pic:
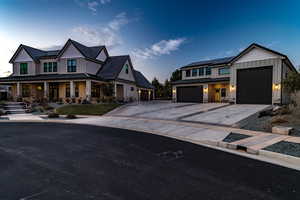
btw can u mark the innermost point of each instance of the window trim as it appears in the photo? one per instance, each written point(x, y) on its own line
point(194, 72)
point(201, 69)
point(207, 71)
point(73, 68)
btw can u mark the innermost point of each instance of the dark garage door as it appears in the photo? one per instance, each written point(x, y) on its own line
point(190, 94)
point(254, 85)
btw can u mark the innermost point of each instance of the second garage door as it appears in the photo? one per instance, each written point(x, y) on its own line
point(254, 85)
point(190, 94)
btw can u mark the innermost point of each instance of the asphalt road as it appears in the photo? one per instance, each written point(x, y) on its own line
point(61, 161)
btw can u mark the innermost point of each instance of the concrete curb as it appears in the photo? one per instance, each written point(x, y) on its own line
point(287, 158)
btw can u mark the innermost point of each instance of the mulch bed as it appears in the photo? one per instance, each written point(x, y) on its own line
point(232, 137)
point(288, 148)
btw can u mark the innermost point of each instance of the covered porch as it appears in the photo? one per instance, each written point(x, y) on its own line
point(63, 91)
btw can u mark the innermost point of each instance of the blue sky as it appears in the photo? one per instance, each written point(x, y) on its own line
point(160, 35)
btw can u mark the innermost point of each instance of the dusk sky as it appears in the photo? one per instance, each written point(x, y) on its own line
point(160, 35)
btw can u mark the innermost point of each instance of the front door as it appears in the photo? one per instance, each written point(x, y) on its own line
point(53, 91)
point(217, 95)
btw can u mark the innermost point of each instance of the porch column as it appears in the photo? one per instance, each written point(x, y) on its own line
point(46, 90)
point(19, 89)
point(88, 89)
point(115, 90)
point(72, 89)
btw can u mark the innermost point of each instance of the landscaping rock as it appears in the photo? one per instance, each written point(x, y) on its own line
point(282, 130)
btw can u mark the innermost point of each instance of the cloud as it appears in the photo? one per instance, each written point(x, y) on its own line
point(103, 35)
point(163, 47)
point(92, 4)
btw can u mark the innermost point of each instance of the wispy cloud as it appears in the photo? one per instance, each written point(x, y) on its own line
point(107, 34)
point(92, 4)
point(162, 47)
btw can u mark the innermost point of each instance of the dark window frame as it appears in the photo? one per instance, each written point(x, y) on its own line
point(207, 71)
point(194, 72)
point(188, 73)
point(223, 92)
point(68, 91)
point(201, 71)
point(224, 68)
point(71, 65)
point(23, 68)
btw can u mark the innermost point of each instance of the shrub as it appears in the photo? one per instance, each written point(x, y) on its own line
point(47, 107)
point(70, 116)
point(68, 101)
point(53, 115)
point(73, 100)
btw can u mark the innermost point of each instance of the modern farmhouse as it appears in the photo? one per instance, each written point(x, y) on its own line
point(75, 72)
point(254, 76)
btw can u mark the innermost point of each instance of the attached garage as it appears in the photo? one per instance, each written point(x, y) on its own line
point(254, 85)
point(190, 94)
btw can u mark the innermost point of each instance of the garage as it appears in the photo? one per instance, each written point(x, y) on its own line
point(190, 94)
point(254, 85)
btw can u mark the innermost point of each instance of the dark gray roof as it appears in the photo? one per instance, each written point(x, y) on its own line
point(34, 53)
point(88, 52)
point(217, 61)
point(142, 81)
point(42, 77)
point(201, 80)
point(112, 67)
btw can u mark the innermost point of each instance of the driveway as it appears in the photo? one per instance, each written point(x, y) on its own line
point(69, 161)
point(210, 113)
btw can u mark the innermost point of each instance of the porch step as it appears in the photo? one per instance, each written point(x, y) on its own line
point(15, 111)
point(14, 108)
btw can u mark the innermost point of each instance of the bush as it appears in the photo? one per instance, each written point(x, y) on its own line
point(47, 107)
point(70, 116)
point(53, 115)
point(68, 101)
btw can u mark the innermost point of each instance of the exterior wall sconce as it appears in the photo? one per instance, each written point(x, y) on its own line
point(276, 86)
point(174, 91)
point(140, 91)
point(39, 88)
point(232, 88)
point(205, 90)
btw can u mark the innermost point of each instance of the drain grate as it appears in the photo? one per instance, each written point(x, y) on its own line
point(171, 155)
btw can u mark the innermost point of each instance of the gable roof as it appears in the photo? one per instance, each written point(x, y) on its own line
point(90, 53)
point(142, 81)
point(230, 60)
point(112, 67)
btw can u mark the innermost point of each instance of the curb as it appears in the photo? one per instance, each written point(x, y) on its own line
point(287, 158)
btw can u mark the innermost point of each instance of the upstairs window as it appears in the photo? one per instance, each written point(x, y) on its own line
point(50, 67)
point(71, 65)
point(224, 71)
point(194, 72)
point(188, 73)
point(126, 69)
point(201, 71)
point(23, 68)
point(207, 71)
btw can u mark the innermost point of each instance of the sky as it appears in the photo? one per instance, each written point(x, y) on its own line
point(159, 35)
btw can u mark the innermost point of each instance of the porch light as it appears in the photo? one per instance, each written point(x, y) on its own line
point(39, 87)
point(140, 91)
point(205, 90)
point(276, 86)
point(232, 88)
point(174, 91)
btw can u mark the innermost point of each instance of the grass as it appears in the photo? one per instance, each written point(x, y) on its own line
point(86, 109)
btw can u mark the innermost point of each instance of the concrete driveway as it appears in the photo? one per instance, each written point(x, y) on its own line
point(210, 113)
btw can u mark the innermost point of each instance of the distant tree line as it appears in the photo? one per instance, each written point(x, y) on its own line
point(164, 90)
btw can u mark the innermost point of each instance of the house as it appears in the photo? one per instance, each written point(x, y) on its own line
point(254, 76)
point(75, 72)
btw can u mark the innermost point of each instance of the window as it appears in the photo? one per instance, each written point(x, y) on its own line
point(223, 71)
point(188, 73)
point(68, 90)
point(71, 65)
point(76, 91)
point(132, 88)
point(95, 91)
point(208, 71)
point(223, 92)
point(25, 91)
point(23, 68)
point(50, 67)
point(126, 69)
point(194, 72)
point(201, 71)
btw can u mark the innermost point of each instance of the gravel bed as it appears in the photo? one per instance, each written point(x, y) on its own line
point(288, 148)
point(232, 137)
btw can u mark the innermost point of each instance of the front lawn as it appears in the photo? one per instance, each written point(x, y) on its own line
point(86, 109)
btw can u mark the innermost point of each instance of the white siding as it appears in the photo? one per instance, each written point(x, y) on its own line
point(23, 57)
point(125, 76)
point(102, 56)
point(257, 54)
point(71, 52)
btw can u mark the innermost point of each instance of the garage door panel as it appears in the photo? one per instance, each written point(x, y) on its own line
point(254, 85)
point(190, 94)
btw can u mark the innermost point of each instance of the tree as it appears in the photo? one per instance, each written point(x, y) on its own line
point(292, 82)
point(158, 88)
point(176, 75)
point(167, 89)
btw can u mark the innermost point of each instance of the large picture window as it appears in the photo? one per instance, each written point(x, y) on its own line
point(23, 68)
point(95, 91)
point(71, 65)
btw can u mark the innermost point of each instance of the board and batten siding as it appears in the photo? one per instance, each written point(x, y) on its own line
point(277, 66)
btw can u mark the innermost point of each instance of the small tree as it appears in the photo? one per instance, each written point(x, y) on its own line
point(292, 82)
point(158, 88)
point(167, 89)
point(176, 75)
